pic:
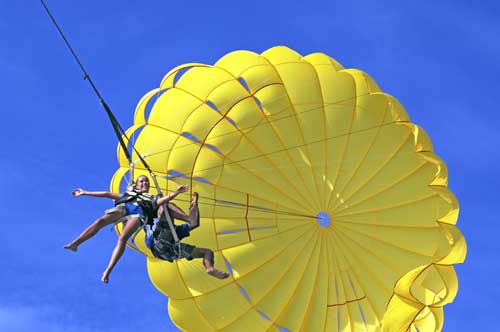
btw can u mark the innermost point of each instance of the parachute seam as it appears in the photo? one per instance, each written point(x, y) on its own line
point(266, 119)
point(341, 164)
point(300, 129)
point(202, 144)
point(421, 198)
point(353, 256)
point(273, 286)
point(317, 247)
point(268, 122)
point(418, 275)
point(363, 159)
point(346, 230)
point(246, 273)
point(308, 307)
point(232, 162)
point(387, 187)
point(320, 89)
point(280, 252)
point(381, 167)
point(337, 275)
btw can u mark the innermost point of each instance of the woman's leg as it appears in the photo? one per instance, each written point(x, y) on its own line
point(128, 229)
point(92, 230)
point(208, 262)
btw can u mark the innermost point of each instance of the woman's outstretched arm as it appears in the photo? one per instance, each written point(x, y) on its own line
point(80, 192)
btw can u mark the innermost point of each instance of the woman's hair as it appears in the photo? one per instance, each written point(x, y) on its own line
point(141, 176)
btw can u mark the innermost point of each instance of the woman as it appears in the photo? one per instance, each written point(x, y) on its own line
point(137, 208)
point(128, 210)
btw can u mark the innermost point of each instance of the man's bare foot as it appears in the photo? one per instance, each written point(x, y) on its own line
point(194, 200)
point(72, 247)
point(217, 273)
point(105, 278)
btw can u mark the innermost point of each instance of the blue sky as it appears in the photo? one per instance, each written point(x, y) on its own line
point(439, 58)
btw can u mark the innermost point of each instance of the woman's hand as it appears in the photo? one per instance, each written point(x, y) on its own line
point(182, 189)
point(78, 192)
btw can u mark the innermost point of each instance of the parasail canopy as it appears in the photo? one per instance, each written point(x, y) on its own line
point(318, 195)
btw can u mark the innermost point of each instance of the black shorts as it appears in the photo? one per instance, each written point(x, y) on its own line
point(163, 246)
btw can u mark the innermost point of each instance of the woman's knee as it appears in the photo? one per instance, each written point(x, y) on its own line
point(121, 241)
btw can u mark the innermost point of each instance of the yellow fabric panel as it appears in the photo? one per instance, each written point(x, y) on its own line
point(201, 81)
point(122, 159)
point(197, 321)
point(400, 314)
point(320, 59)
point(429, 288)
point(286, 276)
point(364, 83)
point(281, 54)
point(205, 236)
point(247, 257)
point(272, 142)
point(274, 102)
point(249, 321)
point(449, 205)
point(183, 105)
point(139, 117)
point(220, 315)
point(114, 186)
point(315, 314)
point(227, 95)
point(175, 73)
point(458, 249)
point(194, 276)
point(260, 77)
point(429, 320)
point(293, 313)
point(165, 276)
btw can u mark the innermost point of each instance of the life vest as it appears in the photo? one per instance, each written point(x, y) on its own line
point(146, 202)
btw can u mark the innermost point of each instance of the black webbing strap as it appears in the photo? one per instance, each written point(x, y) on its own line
point(117, 128)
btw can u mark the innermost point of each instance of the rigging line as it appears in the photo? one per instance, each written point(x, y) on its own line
point(298, 146)
point(120, 133)
point(240, 206)
point(114, 123)
point(86, 77)
point(258, 125)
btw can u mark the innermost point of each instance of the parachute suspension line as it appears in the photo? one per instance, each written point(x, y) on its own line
point(120, 133)
point(116, 126)
point(285, 117)
point(239, 206)
point(300, 145)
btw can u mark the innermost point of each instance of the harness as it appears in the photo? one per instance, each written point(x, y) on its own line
point(144, 200)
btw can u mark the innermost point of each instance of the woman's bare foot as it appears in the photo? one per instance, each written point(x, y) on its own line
point(105, 278)
point(71, 246)
point(217, 273)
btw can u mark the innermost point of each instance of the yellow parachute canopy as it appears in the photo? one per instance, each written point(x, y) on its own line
point(324, 202)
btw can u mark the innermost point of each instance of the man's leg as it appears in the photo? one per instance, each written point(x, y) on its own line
point(208, 262)
point(193, 219)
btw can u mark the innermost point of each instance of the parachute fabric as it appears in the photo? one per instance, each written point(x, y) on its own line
point(324, 202)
